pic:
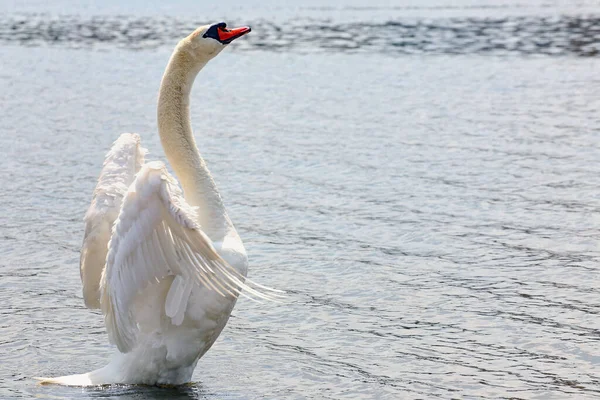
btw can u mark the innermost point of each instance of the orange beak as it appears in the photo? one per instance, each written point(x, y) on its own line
point(229, 35)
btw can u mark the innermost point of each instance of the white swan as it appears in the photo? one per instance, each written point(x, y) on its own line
point(165, 270)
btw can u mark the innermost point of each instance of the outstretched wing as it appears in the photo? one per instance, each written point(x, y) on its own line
point(122, 162)
point(155, 236)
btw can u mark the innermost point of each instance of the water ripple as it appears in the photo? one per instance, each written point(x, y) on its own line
point(433, 219)
point(556, 35)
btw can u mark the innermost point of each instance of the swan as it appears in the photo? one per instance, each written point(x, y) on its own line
point(164, 268)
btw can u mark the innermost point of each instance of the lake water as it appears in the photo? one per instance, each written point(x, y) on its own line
point(421, 177)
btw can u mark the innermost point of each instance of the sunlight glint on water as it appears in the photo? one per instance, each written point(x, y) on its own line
point(434, 217)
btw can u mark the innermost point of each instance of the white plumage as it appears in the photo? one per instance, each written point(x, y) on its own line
point(165, 271)
point(122, 163)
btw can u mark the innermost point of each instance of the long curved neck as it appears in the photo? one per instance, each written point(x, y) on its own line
point(180, 148)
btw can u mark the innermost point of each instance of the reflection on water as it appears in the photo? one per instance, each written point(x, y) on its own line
point(193, 391)
point(128, 392)
point(556, 35)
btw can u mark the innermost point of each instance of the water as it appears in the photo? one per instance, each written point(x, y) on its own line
point(548, 35)
point(434, 216)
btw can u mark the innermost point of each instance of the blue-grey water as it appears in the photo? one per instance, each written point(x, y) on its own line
point(422, 177)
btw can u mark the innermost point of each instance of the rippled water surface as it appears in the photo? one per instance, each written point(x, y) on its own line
point(433, 213)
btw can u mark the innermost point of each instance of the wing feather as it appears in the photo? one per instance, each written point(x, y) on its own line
point(156, 236)
point(122, 162)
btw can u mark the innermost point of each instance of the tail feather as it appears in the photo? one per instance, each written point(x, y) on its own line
point(69, 380)
point(97, 377)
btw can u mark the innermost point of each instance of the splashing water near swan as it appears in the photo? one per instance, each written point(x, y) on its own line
point(166, 269)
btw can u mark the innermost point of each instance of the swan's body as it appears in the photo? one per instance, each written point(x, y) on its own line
point(165, 269)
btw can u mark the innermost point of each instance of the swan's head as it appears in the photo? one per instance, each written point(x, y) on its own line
point(209, 40)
